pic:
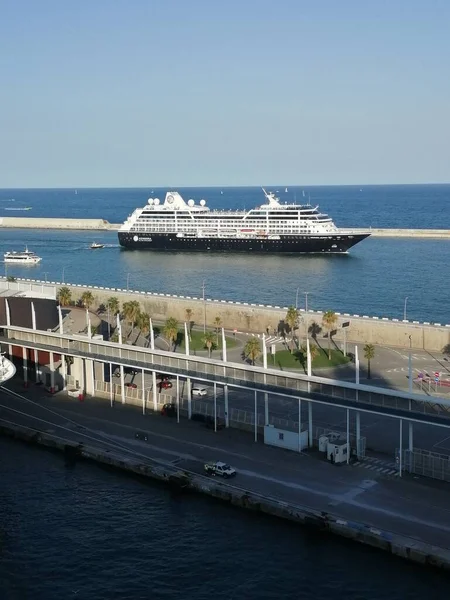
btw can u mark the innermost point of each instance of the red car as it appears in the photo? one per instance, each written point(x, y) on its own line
point(165, 384)
point(131, 385)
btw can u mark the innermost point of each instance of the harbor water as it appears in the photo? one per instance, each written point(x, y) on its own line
point(374, 279)
point(86, 533)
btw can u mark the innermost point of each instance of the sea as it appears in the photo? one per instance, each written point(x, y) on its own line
point(85, 533)
point(378, 277)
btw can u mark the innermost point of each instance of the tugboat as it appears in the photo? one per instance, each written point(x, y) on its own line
point(95, 246)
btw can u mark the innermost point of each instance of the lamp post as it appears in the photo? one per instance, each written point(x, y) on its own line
point(296, 298)
point(63, 272)
point(45, 274)
point(204, 306)
point(306, 313)
point(404, 309)
point(128, 280)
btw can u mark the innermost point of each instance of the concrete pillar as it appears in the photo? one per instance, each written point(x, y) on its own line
point(310, 425)
point(227, 415)
point(410, 437)
point(256, 416)
point(348, 435)
point(60, 320)
point(400, 449)
point(25, 367)
point(63, 371)
point(178, 398)
point(215, 406)
point(299, 425)
point(358, 434)
point(189, 397)
point(111, 386)
point(155, 392)
point(308, 363)
point(143, 392)
point(8, 322)
point(52, 372)
point(82, 377)
point(356, 370)
point(266, 408)
point(122, 383)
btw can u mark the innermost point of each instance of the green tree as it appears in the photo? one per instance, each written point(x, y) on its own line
point(115, 337)
point(369, 354)
point(143, 323)
point(252, 349)
point(113, 305)
point(189, 313)
point(11, 278)
point(291, 319)
point(209, 339)
point(64, 296)
point(217, 325)
point(87, 299)
point(170, 330)
point(131, 311)
point(313, 350)
point(329, 321)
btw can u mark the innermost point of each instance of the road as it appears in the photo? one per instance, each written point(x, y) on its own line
point(416, 508)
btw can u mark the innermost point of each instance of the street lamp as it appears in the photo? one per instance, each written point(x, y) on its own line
point(404, 309)
point(45, 274)
point(296, 298)
point(63, 271)
point(204, 306)
point(128, 280)
point(306, 312)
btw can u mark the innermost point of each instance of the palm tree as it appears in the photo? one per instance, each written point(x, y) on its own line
point(113, 305)
point(329, 321)
point(217, 324)
point(87, 299)
point(313, 350)
point(208, 340)
point(291, 319)
point(369, 353)
point(188, 317)
point(131, 311)
point(143, 322)
point(252, 349)
point(64, 296)
point(171, 330)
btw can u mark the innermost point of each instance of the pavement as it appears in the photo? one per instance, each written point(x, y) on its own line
point(417, 508)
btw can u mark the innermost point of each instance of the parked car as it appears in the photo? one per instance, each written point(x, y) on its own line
point(131, 385)
point(219, 468)
point(165, 384)
point(198, 391)
point(169, 410)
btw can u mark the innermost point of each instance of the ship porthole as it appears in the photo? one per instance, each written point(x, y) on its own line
point(135, 238)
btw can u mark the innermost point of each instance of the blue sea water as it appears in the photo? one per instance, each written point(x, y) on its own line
point(373, 279)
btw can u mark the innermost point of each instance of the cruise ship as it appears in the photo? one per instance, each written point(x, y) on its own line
point(272, 227)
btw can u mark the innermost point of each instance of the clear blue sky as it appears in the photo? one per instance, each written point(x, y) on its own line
point(212, 92)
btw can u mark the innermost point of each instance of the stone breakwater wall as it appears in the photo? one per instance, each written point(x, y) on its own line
point(43, 223)
point(410, 233)
point(257, 318)
point(397, 545)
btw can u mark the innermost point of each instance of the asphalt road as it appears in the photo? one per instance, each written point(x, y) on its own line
point(416, 508)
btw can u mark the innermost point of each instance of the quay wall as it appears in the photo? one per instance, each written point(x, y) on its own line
point(44, 223)
point(397, 545)
point(257, 318)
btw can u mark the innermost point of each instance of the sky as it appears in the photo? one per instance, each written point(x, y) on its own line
point(131, 93)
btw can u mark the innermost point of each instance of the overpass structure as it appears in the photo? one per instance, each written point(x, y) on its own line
point(404, 407)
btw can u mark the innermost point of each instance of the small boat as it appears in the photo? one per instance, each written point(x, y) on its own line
point(24, 208)
point(95, 246)
point(26, 257)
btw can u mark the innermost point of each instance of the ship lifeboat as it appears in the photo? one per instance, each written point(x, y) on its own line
point(247, 231)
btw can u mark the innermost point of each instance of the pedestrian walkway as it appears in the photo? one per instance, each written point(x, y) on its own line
point(379, 465)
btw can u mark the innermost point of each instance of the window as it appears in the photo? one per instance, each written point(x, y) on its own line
point(281, 436)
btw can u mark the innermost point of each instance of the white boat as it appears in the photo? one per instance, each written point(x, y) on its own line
point(95, 246)
point(26, 257)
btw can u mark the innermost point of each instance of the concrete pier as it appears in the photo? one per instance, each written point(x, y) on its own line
point(44, 223)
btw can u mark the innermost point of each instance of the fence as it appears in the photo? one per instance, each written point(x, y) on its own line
point(426, 463)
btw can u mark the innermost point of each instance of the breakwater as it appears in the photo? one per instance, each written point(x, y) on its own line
point(70, 224)
point(186, 481)
point(104, 225)
point(256, 318)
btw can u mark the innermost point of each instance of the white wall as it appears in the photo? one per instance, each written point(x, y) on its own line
point(285, 439)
